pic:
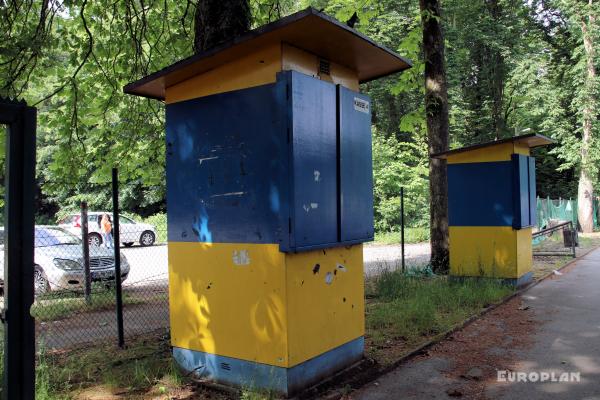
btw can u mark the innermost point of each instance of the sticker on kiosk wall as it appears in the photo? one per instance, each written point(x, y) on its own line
point(361, 105)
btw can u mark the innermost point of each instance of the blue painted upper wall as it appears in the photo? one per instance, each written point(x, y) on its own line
point(496, 193)
point(227, 167)
point(261, 165)
point(480, 194)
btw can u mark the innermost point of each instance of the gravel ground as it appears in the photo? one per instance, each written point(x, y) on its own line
point(378, 257)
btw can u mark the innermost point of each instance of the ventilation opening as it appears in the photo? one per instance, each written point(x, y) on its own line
point(324, 67)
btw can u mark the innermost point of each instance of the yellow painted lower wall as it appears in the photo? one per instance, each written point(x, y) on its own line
point(229, 299)
point(325, 303)
point(499, 252)
point(252, 302)
point(524, 251)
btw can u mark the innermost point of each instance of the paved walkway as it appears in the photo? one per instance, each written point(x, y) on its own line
point(553, 328)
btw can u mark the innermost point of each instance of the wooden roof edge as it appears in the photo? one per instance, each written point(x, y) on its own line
point(529, 139)
point(131, 87)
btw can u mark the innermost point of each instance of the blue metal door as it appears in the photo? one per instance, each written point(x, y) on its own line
point(314, 162)
point(356, 167)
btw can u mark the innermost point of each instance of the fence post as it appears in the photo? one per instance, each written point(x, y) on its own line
point(86, 253)
point(573, 240)
point(402, 224)
point(19, 325)
point(117, 248)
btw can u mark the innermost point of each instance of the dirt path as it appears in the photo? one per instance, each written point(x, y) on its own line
point(553, 328)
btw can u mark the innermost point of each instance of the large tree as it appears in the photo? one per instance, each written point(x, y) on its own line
point(587, 21)
point(216, 21)
point(436, 111)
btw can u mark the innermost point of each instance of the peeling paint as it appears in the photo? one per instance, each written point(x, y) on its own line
point(316, 269)
point(341, 268)
point(241, 257)
point(329, 278)
point(311, 206)
point(317, 175)
point(201, 160)
point(229, 194)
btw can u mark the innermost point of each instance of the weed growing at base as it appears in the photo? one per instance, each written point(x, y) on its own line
point(409, 307)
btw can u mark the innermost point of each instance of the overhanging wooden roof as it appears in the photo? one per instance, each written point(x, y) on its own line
point(531, 140)
point(309, 30)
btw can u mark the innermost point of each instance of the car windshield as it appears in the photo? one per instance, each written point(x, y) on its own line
point(45, 237)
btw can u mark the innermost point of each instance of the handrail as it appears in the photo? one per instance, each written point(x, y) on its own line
point(552, 230)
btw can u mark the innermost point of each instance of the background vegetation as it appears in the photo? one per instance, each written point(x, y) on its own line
point(513, 67)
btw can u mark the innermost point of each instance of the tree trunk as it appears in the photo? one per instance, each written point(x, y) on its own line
point(497, 73)
point(436, 109)
point(585, 193)
point(217, 21)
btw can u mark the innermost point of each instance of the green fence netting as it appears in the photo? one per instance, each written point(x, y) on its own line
point(561, 209)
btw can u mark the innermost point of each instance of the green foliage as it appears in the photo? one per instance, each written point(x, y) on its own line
point(400, 164)
point(511, 66)
point(159, 221)
point(411, 235)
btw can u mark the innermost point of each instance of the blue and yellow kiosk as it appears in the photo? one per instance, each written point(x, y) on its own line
point(269, 198)
point(492, 208)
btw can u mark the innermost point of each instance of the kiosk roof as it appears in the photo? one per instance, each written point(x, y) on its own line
point(531, 140)
point(309, 30)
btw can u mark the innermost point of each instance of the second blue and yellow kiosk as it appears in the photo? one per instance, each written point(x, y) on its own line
point(269, 198)
point(492, 208)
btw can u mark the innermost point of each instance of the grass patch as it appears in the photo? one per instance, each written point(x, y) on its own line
point(144, 369)
point(58, 305)
point(407, 310)
point(411, 235)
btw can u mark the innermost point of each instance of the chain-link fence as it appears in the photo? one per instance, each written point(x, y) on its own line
point(75, 285)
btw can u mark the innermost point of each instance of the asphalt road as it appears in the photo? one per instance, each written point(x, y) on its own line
point(149, 265)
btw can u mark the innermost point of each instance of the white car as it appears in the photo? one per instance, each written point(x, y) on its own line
point(58, 258)
point(130, 231)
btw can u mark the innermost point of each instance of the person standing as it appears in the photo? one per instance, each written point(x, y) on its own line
point(106, 229)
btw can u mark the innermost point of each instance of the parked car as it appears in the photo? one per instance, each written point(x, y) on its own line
point(130, 231)
point(58, 258)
